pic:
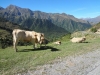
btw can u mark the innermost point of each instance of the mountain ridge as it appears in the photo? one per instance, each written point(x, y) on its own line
point(18, 15)
point(93, 21)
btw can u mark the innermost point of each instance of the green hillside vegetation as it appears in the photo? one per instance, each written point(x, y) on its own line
point(95, 27)
point(90, 33)
point(50, 30)
point(70, 25)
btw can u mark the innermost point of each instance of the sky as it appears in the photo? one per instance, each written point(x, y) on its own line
point(77, 8)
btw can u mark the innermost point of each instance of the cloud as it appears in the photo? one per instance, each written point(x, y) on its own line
point(79, 9)
point(93, 13)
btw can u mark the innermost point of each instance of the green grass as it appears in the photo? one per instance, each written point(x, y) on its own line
point(12, 62)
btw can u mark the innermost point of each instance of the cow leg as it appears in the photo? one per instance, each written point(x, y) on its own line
point(40, 45)
point(34, 46)
point(15, 44)
point(33, 43)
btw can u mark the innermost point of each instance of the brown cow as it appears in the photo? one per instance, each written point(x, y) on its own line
point(27, 36)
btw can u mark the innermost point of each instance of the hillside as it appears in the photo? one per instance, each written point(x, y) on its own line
point(68, 22)
point(6, 28)
point(50, 30)
point(97, 26)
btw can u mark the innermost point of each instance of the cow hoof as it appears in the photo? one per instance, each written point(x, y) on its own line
point(16, 50)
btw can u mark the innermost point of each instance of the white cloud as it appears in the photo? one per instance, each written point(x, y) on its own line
point(79, 9)
point(93, 13)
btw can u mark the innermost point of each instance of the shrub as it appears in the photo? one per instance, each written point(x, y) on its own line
point(93, 29)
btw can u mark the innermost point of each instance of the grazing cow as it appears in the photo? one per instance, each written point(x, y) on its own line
point(26, 36)
point(57, 42)
point(44, 41)
point(78, 39)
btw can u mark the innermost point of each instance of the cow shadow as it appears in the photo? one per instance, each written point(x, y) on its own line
point(85, 42)
point(39, 49)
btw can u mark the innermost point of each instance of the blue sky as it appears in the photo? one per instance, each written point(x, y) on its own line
point(77, 8)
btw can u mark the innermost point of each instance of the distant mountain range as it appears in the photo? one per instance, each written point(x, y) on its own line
point(93, 21)
point(20, 15)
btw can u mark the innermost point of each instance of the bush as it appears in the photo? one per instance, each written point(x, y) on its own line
point(4, 43)
point(93, 30)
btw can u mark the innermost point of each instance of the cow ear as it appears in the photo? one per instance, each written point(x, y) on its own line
point(42, 34)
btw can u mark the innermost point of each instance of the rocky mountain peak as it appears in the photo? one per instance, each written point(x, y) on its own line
point(12, 7)
point(1, 8)
point(15, 10)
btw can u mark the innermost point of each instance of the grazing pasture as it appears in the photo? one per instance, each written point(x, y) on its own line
point(26, 58)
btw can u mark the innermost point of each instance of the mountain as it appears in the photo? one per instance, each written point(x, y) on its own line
point(1, 8)
point(68, 22)
point(93, 21)
point(16, 14)
point(50, 30)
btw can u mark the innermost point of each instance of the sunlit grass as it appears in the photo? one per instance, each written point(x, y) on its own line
point(26, 58)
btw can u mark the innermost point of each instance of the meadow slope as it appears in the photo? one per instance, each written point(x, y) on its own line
point(28, 60)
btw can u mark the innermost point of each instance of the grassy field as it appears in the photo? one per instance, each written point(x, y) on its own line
point(26, 58)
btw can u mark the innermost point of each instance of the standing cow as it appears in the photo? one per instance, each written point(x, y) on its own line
point(27, 36)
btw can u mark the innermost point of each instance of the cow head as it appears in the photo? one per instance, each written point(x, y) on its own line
point(39, 37)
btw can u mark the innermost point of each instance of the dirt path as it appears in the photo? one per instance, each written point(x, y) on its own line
point(86, 64)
